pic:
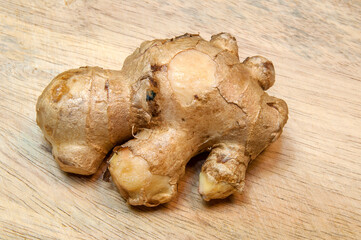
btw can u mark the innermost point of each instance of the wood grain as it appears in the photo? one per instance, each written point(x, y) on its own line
point(307, 185)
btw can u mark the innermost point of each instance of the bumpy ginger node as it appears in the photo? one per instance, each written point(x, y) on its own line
point(173, 99)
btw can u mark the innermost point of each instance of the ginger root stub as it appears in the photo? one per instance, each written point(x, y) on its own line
point(173, 99)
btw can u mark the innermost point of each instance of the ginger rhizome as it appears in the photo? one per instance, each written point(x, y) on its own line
point(173, 99)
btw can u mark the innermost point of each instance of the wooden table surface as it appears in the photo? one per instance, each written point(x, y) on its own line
point(307, 185)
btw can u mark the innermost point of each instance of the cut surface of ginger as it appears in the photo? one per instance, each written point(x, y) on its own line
point(191, 74)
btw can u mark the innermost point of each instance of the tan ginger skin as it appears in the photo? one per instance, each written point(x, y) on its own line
point(178, 97)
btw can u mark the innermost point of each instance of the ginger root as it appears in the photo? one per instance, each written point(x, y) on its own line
point(178, 97)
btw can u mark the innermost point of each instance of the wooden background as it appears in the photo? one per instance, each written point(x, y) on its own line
point(307, 185)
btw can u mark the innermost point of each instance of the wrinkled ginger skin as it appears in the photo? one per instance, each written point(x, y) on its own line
point(178, 97)
point(83, 113)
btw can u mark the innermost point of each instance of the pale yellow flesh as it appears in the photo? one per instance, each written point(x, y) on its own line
point(131, 173)
point(132, 176)
point(209, 188)
point(191, 74)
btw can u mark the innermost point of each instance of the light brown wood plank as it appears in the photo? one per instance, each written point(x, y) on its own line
point(307, 185)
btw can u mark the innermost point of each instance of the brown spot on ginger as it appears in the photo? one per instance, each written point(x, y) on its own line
point(59, 91)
